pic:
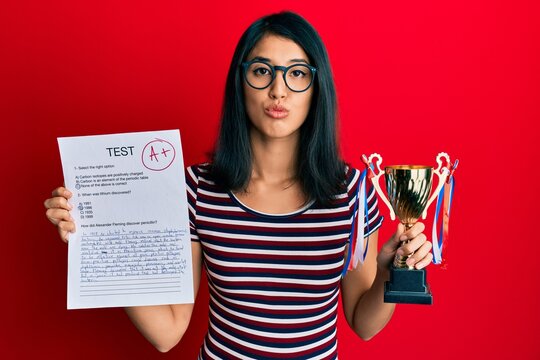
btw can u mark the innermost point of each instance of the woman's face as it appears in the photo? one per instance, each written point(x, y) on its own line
point(276, 111)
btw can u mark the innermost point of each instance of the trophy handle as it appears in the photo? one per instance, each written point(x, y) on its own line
point(442, 172)
point(375, 179)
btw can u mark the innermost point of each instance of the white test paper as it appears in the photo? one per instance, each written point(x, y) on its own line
point(132, 244)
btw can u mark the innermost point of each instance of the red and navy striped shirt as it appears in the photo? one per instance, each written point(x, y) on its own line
point(273, 279)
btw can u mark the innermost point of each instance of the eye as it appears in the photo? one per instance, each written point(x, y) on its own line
point(261, 71)
point(298, 73)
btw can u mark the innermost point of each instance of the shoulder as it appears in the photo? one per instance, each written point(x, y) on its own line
point(199, 176)
point(197, 171)
point(346, 194)
point(352, 176)
point(353, 180)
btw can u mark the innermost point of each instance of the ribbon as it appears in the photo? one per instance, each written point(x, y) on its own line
point(444, 203)
point(356, 251)
point(366, 218)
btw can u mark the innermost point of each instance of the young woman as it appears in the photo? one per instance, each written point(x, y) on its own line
point(271, 215)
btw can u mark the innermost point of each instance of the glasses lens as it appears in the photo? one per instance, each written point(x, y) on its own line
point(259, 75)
point(299, 77)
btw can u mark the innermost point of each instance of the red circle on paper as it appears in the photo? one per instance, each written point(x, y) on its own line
point(153, 158)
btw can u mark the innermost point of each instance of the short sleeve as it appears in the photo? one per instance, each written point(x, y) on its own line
point(374, 219)
point(192, 183)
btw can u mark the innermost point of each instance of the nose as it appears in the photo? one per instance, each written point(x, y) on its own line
point(278, 88)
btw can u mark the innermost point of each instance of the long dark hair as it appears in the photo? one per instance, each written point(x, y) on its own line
point(321, 171)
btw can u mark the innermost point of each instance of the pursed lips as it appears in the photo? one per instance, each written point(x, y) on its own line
point(276, 112)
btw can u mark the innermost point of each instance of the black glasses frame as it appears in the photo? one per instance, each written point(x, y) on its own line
point(284, 69)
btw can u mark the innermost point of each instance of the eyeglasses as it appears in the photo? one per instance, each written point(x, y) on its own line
point(259, 75)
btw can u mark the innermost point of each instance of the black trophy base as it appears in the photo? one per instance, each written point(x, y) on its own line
point(407, 287)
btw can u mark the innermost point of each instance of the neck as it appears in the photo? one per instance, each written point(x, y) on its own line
point(274, 160)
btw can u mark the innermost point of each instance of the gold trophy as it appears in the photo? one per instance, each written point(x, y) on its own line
point(408, 188)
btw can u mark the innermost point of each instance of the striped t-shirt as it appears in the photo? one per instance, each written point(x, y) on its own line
point(273, 279)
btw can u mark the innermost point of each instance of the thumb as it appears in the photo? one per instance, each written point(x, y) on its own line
point(389, 248)
point(394, 242)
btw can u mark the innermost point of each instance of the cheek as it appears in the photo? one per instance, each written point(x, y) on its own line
point(305, 103)
point(251, 101)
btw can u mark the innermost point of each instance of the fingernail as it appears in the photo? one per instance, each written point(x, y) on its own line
point(69, 206)
point(403, 237)
point(68, 193)
point(410, 261)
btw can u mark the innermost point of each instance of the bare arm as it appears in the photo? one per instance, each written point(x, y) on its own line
point(164, 325)
point(363, 288)
point(362, 294)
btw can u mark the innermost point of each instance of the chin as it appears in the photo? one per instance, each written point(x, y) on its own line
point(281, 134)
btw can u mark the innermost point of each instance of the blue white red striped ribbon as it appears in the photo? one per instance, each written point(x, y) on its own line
point(440, 234)
point(356, 251)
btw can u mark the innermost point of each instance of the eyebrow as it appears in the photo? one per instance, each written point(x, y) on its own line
point(260, 58)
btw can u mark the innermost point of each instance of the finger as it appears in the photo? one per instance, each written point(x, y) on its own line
point(412, 246)
point(64, 235)
point(68, 226)
point(57, 215)
point(424, 262)
point(65, 228)
point(413, 232)
point(62, 191)
point(420, 254)
point(57, 202)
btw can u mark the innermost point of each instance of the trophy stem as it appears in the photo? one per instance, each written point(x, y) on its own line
point(400, 262)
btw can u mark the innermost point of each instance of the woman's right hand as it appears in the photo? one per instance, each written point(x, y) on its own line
point(58, 212)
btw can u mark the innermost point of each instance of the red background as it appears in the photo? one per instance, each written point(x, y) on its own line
point(413, 78)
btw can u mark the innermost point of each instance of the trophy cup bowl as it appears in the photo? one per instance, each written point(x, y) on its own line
point(409, 197)
point(408, 188)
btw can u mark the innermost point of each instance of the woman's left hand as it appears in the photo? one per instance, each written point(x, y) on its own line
point(418, 244)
